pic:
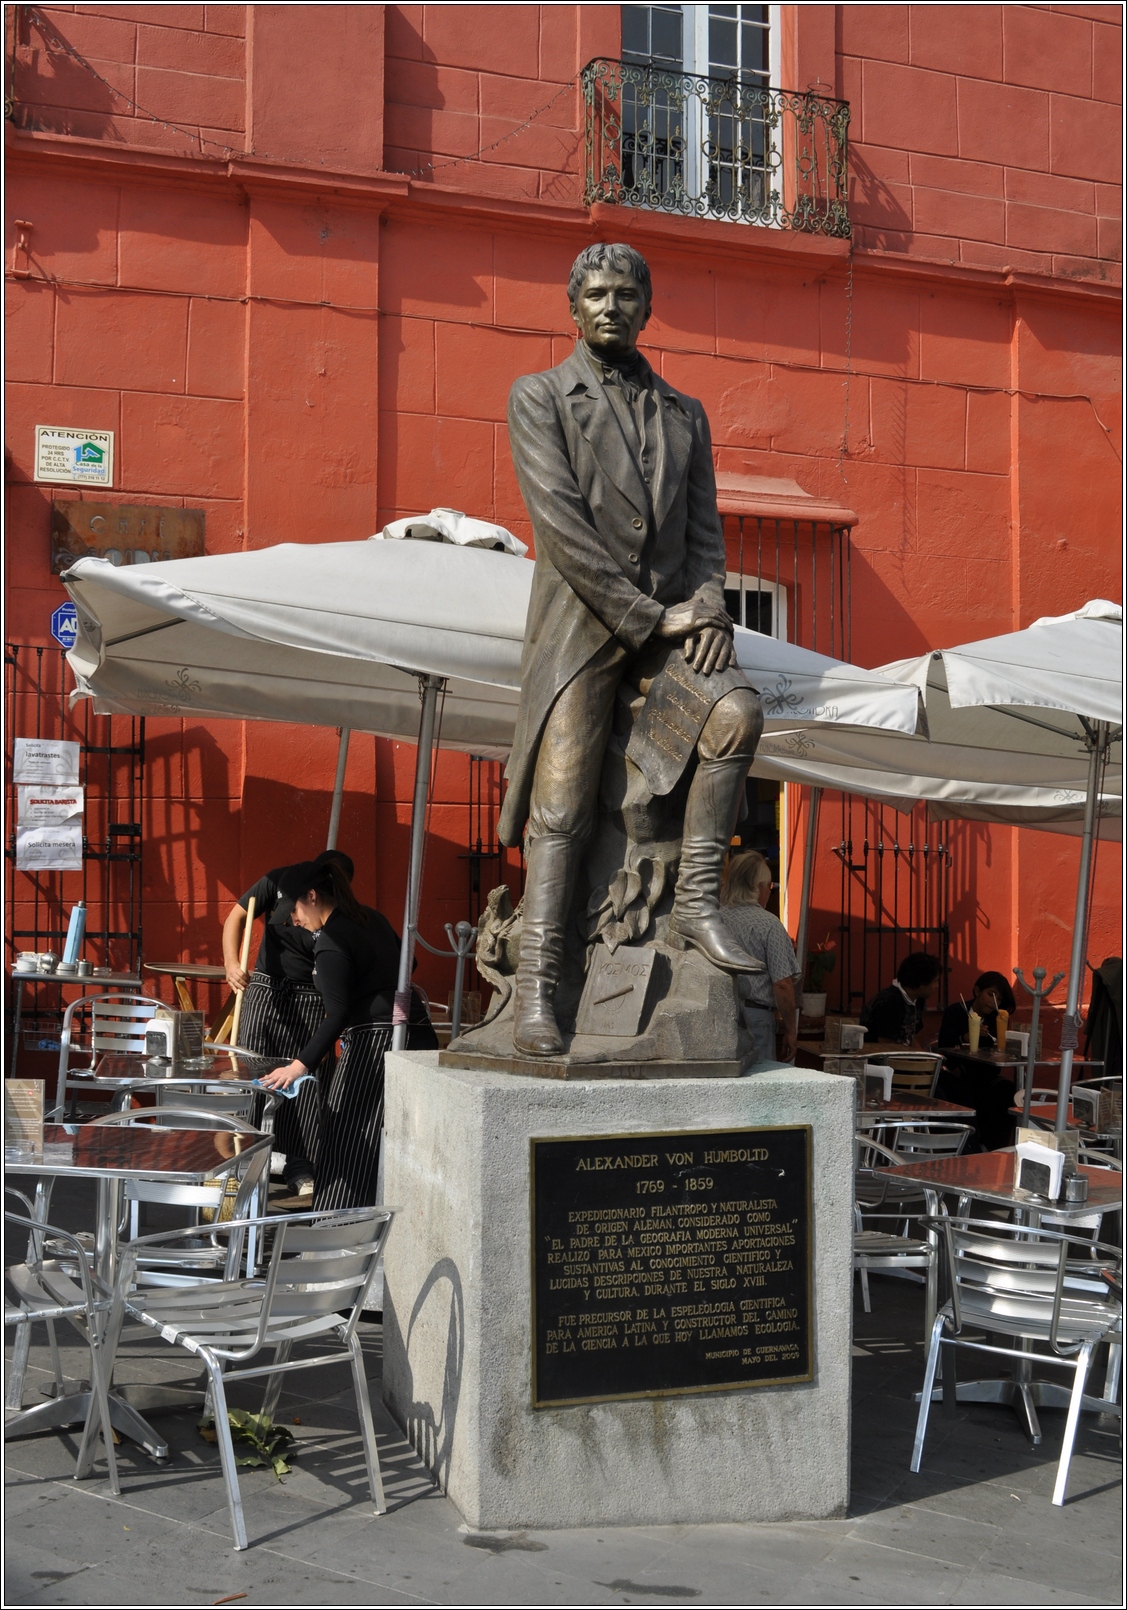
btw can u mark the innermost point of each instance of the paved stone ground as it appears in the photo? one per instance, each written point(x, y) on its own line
point(975, 1528)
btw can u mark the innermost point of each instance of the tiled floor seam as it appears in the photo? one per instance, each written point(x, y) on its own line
point(911, 1554)
point(259, 1550)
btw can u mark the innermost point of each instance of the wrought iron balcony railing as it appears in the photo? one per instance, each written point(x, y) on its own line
point(715, 148)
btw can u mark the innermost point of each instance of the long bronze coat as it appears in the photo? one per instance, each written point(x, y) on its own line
point(610, 554)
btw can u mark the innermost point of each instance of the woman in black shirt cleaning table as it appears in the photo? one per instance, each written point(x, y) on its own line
point(281, 1008)
point(356, 966)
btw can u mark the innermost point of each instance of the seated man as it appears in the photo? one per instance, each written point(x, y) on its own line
point(897, 1013)
point(747, 889)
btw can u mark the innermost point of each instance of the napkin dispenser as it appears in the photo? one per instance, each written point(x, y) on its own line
point(160, 1039)
point(1040, 1169)
point(184, 1031)
point(878, 1077)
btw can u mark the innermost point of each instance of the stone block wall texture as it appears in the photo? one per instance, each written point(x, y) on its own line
point(457, 1311)
point(267, 264)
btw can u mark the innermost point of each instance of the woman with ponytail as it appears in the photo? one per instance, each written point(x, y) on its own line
point(281, 1007)
point(355, 969)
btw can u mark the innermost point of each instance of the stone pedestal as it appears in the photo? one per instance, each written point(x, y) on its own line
point(458, 1342)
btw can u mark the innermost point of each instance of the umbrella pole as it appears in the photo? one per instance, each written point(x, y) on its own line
point(807, 879)
point(430, 686)
point(1070, 1036)
point(338, 788)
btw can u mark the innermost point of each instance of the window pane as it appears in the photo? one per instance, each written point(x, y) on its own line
point(666, 34)
point(721, 42)
point(755, 58)
point(636, 31)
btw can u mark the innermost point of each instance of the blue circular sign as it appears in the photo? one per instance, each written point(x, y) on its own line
point(64, 625)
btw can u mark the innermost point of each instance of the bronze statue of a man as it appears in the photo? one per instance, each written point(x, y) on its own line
point(615, 468)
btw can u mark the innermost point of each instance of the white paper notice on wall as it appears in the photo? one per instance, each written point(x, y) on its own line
point(50, 807)
point(45, 760)
point(49, 849)
point(73, 457)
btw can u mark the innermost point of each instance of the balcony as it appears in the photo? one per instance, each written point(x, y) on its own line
point(715, 148)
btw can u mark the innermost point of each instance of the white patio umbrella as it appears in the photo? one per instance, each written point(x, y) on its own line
point(1025, 728)
point(344, 634)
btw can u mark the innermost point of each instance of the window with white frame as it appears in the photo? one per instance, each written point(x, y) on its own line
point(759, 605)
point(698, 136)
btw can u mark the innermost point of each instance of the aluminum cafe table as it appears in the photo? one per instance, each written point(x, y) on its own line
point(989, 1177)
point(200, 973)
point(111, 1155)
point(86, 982)
point(1000, 1061)
point(876, 1113)
point(127, 1074)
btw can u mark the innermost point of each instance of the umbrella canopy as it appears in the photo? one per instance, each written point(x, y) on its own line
point(1009, 721)
point(335, 634)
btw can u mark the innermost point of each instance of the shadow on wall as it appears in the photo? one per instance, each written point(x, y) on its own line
point(54, 92)
point(874, 208)
point(203, 845)
point(438, 1308)
point(881, 626)
point(550, 151)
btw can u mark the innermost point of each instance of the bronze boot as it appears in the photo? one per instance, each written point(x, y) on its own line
point(547, 895)
point(710, 815)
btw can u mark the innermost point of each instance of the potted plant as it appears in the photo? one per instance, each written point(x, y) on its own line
point(820, 961)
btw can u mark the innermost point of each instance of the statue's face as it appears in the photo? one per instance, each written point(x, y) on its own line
point(610, 312)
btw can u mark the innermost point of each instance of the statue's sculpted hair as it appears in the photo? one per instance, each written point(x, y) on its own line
point(623, 259)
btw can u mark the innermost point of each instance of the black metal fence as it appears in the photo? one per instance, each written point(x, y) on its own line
point(895, 896)
point(715, 148)
point(111, 770)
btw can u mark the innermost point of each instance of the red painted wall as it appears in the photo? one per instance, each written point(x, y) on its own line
point(283, 328)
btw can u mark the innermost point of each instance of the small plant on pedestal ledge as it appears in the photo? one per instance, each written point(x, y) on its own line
point(820, 962)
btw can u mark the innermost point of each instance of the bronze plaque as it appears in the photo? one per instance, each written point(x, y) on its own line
point(670, 1263)
point(123, 533)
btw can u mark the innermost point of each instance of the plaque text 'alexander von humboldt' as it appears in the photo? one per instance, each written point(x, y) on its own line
point(670, 1263)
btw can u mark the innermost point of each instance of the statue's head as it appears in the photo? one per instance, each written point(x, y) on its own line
point(610, 294)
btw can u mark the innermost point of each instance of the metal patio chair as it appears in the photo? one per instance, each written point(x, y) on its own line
point(116, 1022)
point(44, 1289)
point(1010, 1281)
point(236, 1194)
point(929, 1138)
point(880, 1238)
point(914, 1073)
point(321, 1264)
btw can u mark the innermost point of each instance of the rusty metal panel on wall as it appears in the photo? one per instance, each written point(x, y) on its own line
point(123, 533)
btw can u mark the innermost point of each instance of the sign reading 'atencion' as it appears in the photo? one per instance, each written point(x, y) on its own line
point(671, 1263)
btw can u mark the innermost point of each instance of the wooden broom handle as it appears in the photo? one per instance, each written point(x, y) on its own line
point(244, 957)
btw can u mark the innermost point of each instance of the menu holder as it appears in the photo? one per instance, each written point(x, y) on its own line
point(1067, 1145)
point(23, 1117)
point(834, 1026)
point(852, 1067)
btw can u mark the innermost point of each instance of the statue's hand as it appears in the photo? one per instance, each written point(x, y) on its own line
point(690, 619)
point(710, 650)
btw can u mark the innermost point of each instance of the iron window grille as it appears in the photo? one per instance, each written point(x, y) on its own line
point(709, 147)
